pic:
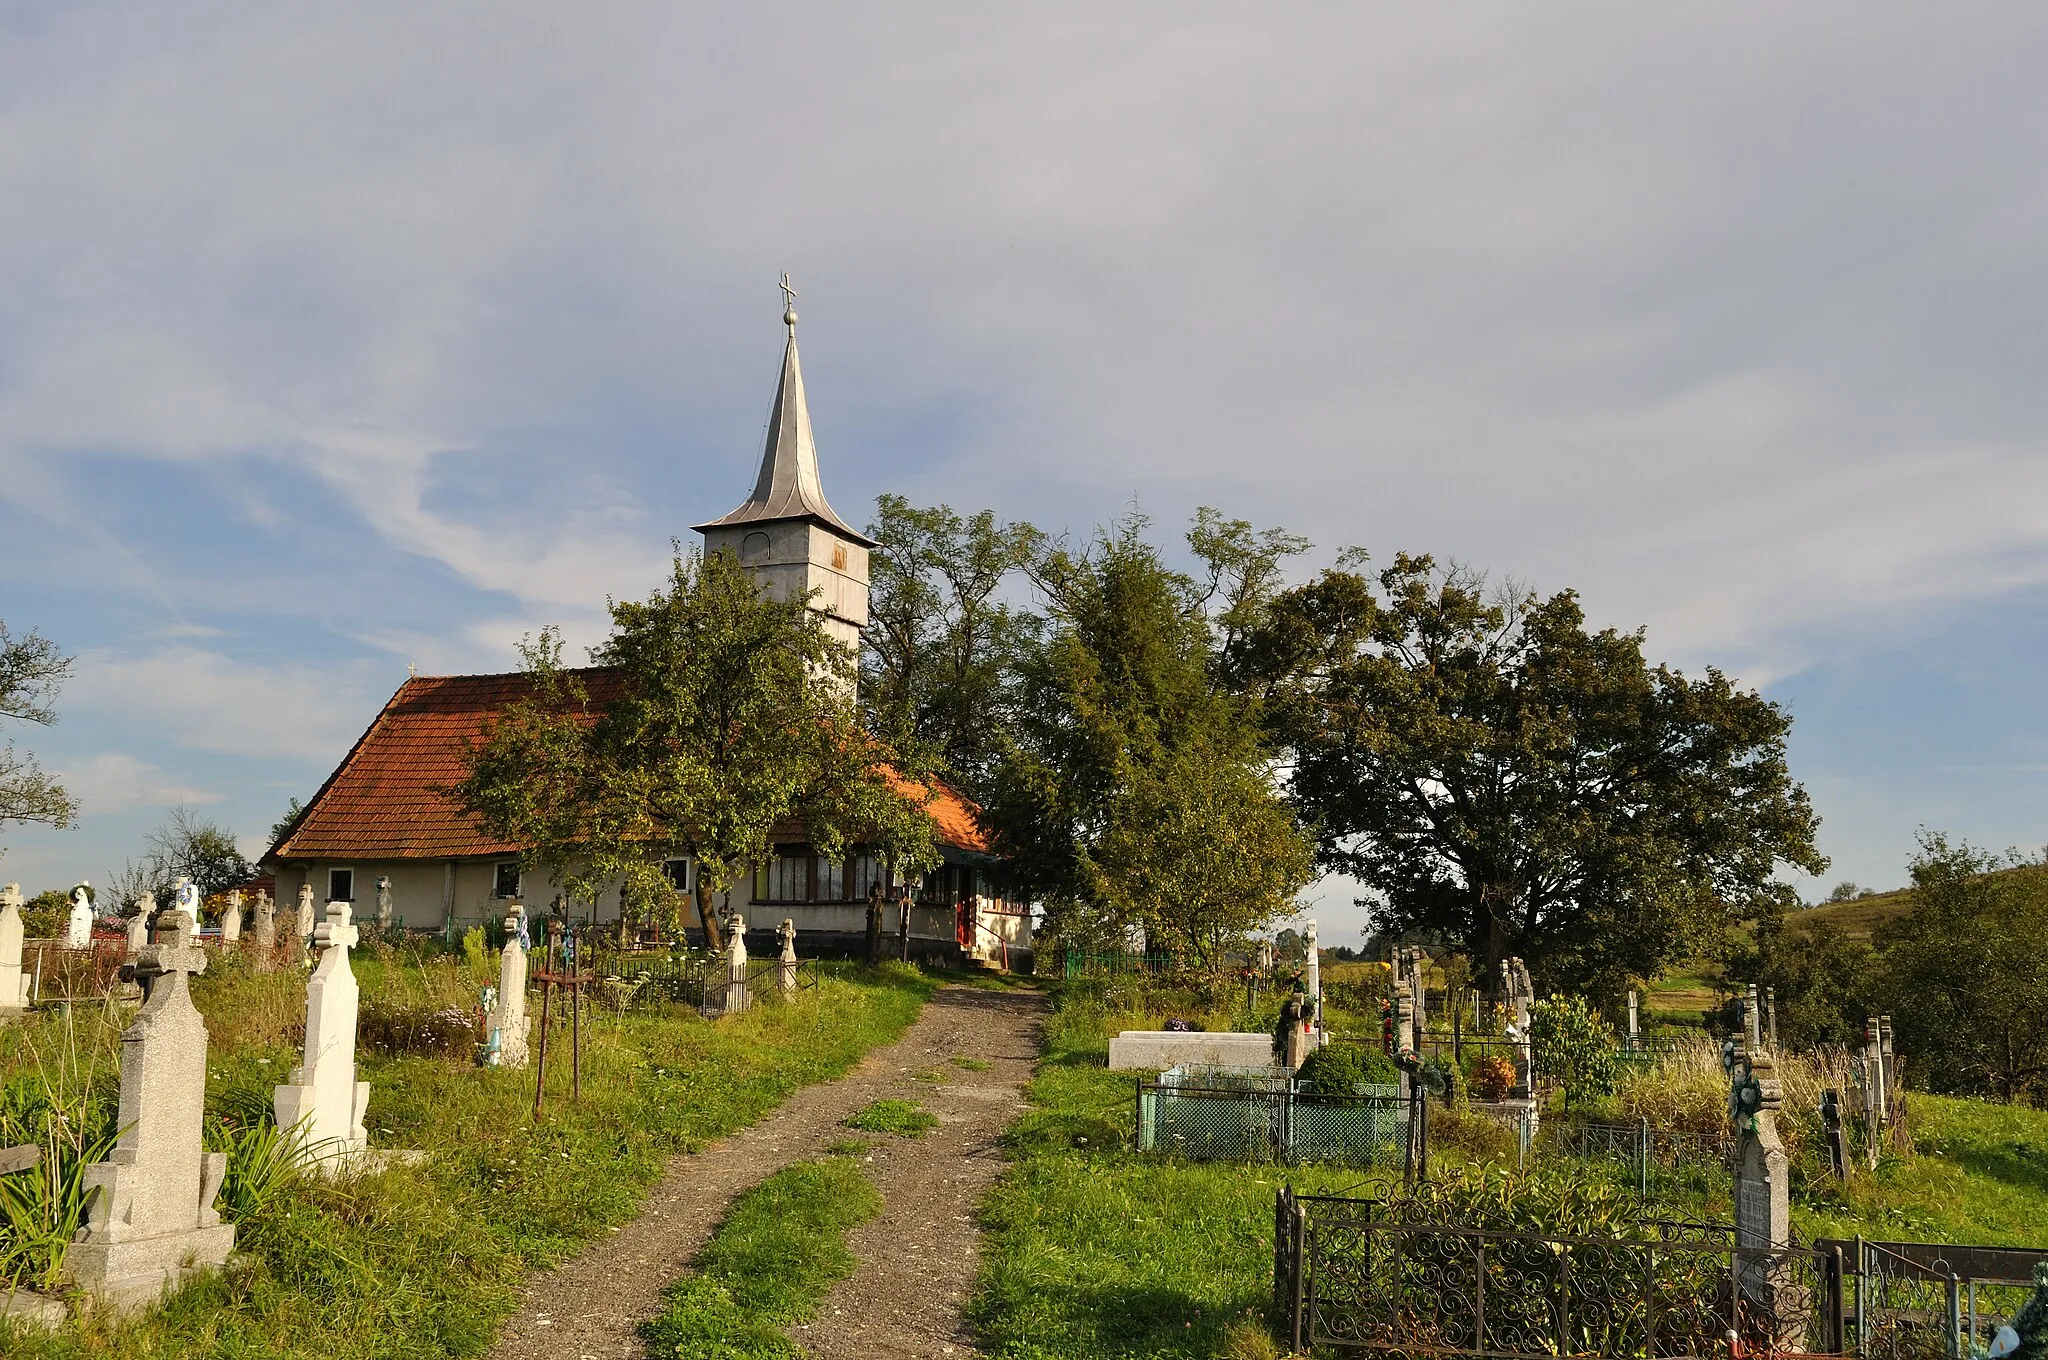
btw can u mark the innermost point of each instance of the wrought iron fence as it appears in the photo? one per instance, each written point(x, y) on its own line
point(631, 979)
point(1911, 1300)
point(1250, 1120)
point(1350, 1277)
point(1653, 1156)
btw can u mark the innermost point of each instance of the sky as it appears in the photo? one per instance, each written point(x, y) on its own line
point(340, 340)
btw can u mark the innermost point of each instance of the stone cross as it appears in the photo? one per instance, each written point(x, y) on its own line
point(152, 1216)
point(508, 1012)
point(736, 998)
point(78, 930)
point(785, 964)
point(1753, 1018)
point(231, 917)
point(265, 926)
point(324, 1102)
point(14, 988)
point(1635, 1031)
point(306, 921)
point(383, 902)
point(1764, 1271)
point(185, 896)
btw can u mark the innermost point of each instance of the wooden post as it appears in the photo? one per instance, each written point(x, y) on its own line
point(540, 1063)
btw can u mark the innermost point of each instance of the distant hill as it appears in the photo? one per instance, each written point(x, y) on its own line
point(1859, 917)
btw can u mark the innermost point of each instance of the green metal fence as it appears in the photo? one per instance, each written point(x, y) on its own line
point(1253, 1119)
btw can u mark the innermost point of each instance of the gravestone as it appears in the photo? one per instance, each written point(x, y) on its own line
point(152, 1216)
point(231, 918)
point(138, 924)
point(324, 1101)
point(308, 919)
point(264, 924)
point(1765, 1274)
point(785, 964)
point(14, 988)
point(874, 926)
point(1635, 1033)
point(1752, 1019)
point(185, 897)
point(1771, 1018)
point(736, 998)
point(383, 903)
point(1313, 980)
point(78, 929)
point(509, 1019)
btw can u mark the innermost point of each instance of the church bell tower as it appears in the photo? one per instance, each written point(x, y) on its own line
point(786, 533)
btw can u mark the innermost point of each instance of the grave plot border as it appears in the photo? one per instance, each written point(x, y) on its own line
point(1350, 1277)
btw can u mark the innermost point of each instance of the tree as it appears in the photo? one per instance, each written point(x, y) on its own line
point(1136, 792)
point(32, 669)
point(939, 645)
point(1490, 768)
point(195, 847)
point(294, 809)
point(1572, 1046)
point(1824, 981)
point(1963, 971)
point(734, 713)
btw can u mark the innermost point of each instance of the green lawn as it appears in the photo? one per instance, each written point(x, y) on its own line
point(425, 1261)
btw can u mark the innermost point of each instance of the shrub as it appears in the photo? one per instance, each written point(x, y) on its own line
point(1492, 1078)
point(1573, 1047)
point(1333, 1070)
point(395, 1029)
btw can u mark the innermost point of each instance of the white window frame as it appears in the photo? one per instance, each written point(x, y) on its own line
point(344, 869)
point(497, 881)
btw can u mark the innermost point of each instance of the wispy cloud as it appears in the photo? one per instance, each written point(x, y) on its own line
point(111, 781)
point(208, 701)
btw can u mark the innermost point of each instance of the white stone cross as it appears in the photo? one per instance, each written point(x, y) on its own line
point(231, 917)
point(324, 1102)
point(14, 988)
point(508, 1012)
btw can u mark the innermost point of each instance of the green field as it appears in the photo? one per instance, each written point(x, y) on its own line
point(426, 1260)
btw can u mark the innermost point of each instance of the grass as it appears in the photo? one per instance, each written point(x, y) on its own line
point(771, 1262)
point(904, 1117)
point(967, 1064)
point(1093, 1252)
point(426, 1260)
point(1859, 917)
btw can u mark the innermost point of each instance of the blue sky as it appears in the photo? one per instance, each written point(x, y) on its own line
point(337, 341)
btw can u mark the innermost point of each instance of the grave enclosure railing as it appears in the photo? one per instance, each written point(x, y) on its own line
point(1650, 1153)
point(1216, 1119)
point(1349, 1276)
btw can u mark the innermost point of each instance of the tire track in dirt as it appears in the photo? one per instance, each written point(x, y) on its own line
point(917, 1259)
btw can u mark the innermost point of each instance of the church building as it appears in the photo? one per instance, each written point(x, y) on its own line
point(380, 818)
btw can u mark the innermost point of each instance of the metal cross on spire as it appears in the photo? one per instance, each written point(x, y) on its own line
point(788, 305)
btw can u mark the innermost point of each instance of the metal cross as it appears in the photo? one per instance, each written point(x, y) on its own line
point(788, 293)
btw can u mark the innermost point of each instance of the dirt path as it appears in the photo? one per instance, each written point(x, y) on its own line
point(917, 1259)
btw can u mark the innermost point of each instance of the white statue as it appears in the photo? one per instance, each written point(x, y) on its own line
point(78, 930)
point(186, 895)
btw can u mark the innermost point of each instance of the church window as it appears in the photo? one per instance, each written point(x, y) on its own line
point(831, 880)
point(677, 872)
point(506, 881)
point(341, 885)
point(867, 871)
point(838, 558)
point(754, 547)
point(788, 874)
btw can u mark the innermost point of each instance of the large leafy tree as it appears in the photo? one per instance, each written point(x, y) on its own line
point(31, 671)
point(940, 639)
point(1964, 975)
point(194, 846)
point(733, 712)
point(1136, 791)
point(1493, 770)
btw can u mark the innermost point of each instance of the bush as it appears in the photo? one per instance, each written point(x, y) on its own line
point(1573, 1047)
point(1492, 1078)
point(395, 1029)
point(1340, 1069)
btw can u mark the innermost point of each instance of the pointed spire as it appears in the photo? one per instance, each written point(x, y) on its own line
point(788, 486)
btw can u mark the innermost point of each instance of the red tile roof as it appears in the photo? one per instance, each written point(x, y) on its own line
point(382, 802)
